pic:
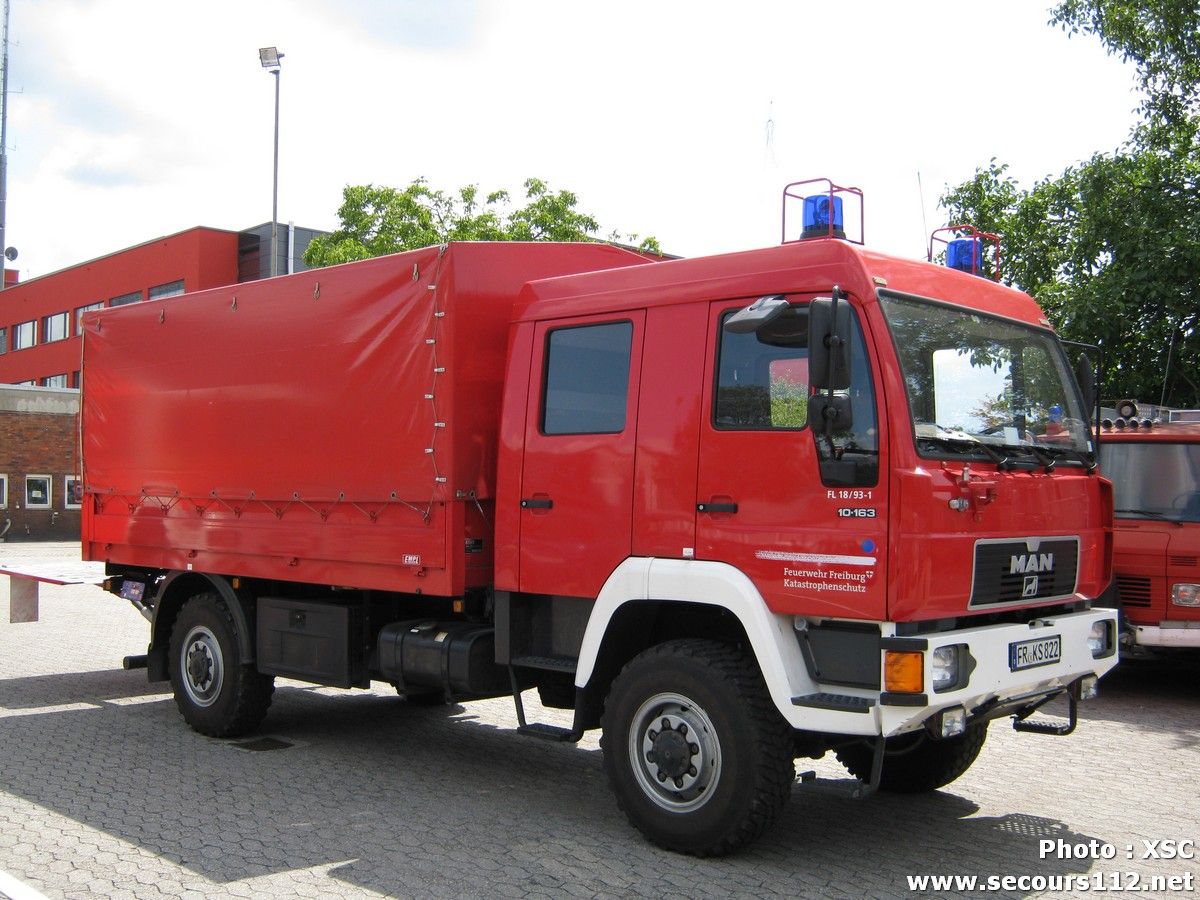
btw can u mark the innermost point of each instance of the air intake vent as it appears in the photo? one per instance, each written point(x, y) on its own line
point(1135, 590)
point(1182, 560)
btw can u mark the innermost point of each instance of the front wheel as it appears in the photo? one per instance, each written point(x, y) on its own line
point(695, 751)
point(217, 693)
point(916, 763)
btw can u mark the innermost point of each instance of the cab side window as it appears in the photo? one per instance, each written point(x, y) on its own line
point(763, 385)
point(586, 383)
point(762, 377)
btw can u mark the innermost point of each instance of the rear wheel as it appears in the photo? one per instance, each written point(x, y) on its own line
point(695, 751)
point(217, 693)
point(916, 763)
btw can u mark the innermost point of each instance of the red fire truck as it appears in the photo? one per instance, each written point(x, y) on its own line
point(732, 510)
point(1155, 470)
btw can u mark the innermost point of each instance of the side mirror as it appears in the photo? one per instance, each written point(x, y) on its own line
point(832, 412)
point(829, 345)
point(1085, 374)
point(757, 314)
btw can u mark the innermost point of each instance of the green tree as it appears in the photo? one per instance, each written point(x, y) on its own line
point(377, 220)
point(1111, 247)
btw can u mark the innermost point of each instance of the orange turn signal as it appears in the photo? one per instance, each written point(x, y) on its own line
point(904, 671)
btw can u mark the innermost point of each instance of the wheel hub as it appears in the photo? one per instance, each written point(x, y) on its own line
point(199, 665)
point(675, 752)
point(202, 667)
point(672, 753)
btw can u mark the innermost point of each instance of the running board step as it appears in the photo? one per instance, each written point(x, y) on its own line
point(550, 663)
point(1055, 729)
point(548, 732)
point(540, 729)
point(839, 702)
point(852, 789)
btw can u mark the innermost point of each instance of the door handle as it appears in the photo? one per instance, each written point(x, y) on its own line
point(716, 507)
point(537, 503)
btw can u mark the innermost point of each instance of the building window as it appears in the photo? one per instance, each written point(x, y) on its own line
point(3, 492)
point(54, 328)
point(76, 379)
point(58, 381)
point(125, 298)
point(37, 491)
point(3, 340)
point(32, 382)
point(172, 289)
point(24, 335)
point(72, 492)
point(587, 379)
point(79, 314)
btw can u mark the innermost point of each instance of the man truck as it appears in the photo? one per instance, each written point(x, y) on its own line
point(732, 511)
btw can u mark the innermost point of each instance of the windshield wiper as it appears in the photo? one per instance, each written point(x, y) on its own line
point(946, 436)
point(1048, 462)
point(1079, 456)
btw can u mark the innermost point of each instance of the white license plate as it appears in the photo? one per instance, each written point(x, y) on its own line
point(1038, 652)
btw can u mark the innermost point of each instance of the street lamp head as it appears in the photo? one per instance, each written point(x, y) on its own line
point(269, 57)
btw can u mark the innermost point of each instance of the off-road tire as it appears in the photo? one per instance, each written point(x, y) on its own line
point(718, 691)
point(220, 695)
point(916, 763)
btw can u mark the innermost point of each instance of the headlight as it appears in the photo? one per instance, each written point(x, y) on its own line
point(946, 666)
point(1185, 594)
point(1100, 638)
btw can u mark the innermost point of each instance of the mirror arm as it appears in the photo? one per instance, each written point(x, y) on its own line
point(833, 341)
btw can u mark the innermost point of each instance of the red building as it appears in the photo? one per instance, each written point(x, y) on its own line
point(40, 341)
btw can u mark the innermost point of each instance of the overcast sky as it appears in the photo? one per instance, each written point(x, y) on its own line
point(130, 119)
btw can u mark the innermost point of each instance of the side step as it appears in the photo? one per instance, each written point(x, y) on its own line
point(839, 702)
point(548, 732)
point(540, 729)
point(856, 789)
point(566, 664)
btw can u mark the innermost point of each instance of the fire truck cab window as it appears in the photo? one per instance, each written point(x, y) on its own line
point(586, 388)
point(762, 377)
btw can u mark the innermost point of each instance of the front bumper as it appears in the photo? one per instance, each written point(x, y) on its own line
point(987, 689)
point(992, 685)
point(1167, 634)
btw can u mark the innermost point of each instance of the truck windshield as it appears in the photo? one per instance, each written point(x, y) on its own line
point(985, 387)
point(1154, 481)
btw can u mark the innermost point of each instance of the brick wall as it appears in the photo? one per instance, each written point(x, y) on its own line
point(37, 452)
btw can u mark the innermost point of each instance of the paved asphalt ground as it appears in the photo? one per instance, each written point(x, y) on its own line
point(104, 792)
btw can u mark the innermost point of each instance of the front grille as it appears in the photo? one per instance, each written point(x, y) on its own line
point(1182, 560)
point(1135, 590)
point(1024, 571)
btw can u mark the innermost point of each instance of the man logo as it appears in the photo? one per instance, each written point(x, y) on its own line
point(1030, 588)
point(1030, 562)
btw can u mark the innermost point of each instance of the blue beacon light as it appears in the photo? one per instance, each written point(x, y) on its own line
point(965, 255)
point(817, 209)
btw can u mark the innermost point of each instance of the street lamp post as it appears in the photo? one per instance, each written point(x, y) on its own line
point(270, 57)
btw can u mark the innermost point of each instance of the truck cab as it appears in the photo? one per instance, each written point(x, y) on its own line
point(1155, 470)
